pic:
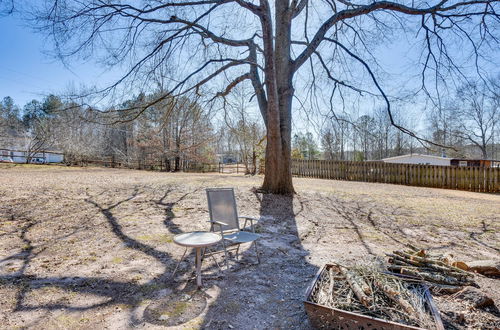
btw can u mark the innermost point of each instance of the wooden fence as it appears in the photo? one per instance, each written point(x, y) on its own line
point(161, 165)
point(479, 179)
point(236, 168)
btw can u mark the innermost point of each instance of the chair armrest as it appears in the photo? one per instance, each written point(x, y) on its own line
point(220, 223)
point(251, 222)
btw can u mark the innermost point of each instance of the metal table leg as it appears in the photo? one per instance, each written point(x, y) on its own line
point(178, 263)
point(198, 267)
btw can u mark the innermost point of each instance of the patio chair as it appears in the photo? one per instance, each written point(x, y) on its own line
point(224, 218)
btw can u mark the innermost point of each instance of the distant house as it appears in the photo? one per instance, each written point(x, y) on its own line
point(19, 156)
point(475, 162)
point(418, 159)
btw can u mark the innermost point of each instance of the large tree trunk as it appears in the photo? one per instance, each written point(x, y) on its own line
point(484, 151)
point(177, 163)
point(254, 162)
point(278, 175)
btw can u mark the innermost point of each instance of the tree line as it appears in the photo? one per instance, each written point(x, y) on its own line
point(467, 125)
point(179, 128)
point(175, 129)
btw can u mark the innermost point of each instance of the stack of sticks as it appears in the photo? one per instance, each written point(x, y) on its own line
point(436, 270)
point(364, 289)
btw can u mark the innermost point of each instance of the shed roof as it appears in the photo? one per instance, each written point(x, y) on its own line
point(419, 155)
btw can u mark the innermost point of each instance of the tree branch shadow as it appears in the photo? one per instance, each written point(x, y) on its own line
point(168, 209)
point(351, 216)
point(116, 292)
point(475, 236)
point(280, 280)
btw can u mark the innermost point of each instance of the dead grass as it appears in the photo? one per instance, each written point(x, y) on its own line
point(79, 244)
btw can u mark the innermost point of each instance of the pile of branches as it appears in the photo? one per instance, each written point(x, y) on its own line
point(436, 270)
point(369, 291)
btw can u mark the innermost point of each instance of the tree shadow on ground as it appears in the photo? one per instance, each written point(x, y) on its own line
point(269, 294)
point(113, 292)
point(168, 209)
point(476, 236)
point(265, 295)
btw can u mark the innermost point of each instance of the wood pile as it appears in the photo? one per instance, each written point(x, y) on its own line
point(396, 289)
point(454, 284)
point(439, 271)
point(367, 290)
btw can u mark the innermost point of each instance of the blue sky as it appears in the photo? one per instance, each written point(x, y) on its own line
point(27, 73)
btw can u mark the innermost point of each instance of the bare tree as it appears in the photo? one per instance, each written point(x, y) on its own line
point(382, 134)
point(306, 144)
point(172, 129)
point(10, 123)
point(78, 135)
point(225, 42)
point(444, 128)
point(188, 126)
point(335, 137)
point(243, 129)
point(38, 138)
point(478, 114)
point(329, 144)
point(365, 126)
point(40, 125)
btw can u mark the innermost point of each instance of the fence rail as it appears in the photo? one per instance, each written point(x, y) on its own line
point(163, 165)
point(480, 179)
point(237, 168)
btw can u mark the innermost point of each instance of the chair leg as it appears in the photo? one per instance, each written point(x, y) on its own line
point(216, 262)
point(178, 263)
point(210, 253)
point(257, 252)
point(225, 255)
point(237, 252)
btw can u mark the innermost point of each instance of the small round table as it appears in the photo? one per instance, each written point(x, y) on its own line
point(197, 240)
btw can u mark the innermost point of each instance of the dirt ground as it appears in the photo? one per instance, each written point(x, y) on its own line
point(93, 248)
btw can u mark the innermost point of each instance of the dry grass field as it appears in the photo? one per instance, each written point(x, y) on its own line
point(92, 247)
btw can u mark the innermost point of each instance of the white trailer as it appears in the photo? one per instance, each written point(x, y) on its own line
point(418, 159)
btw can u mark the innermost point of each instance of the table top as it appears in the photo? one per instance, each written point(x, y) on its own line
point(197, 239)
